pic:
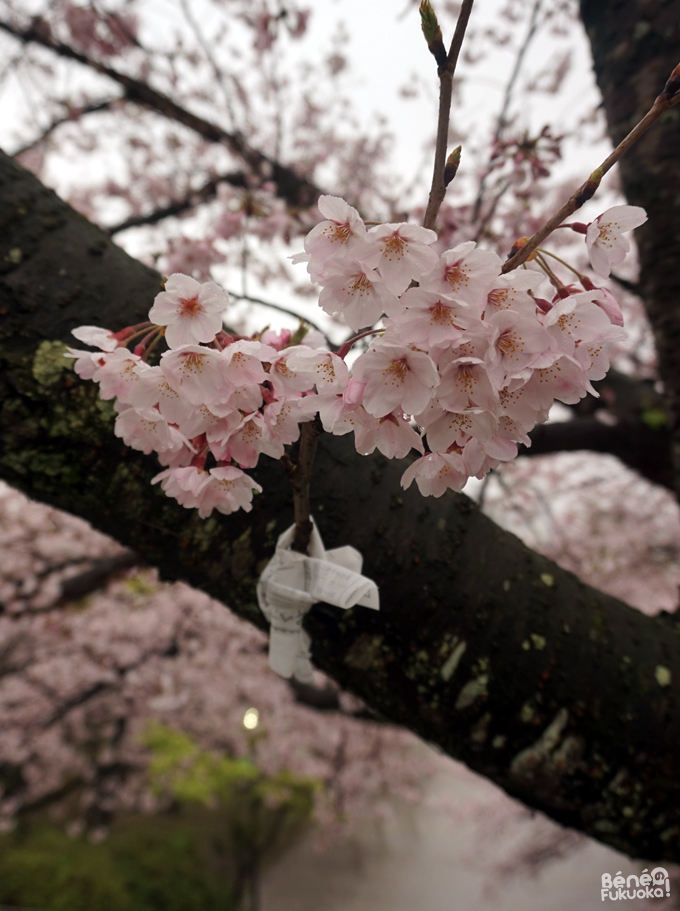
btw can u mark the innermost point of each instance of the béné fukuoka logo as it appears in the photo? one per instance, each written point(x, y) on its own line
point(648, 885)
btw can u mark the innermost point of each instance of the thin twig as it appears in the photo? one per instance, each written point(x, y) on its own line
point(190, 200)
point(73, 114)
point(272, 306)
point(446, 74)
point(662, 103)
point(503, 116)
point(217, 72)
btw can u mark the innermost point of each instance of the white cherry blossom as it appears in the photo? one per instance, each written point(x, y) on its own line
point(465, 274)
point(97, 337)
point(359, 294)
point(436, 472)
point(400, 253)
point(190, 311)
point(395, 377)
point(198, 373)
point(392, 434)
point(606, 245)
point(335, 238)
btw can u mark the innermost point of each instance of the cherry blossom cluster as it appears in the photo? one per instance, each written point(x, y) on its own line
point(463, 363)
point(212, 396)
point(467, 360)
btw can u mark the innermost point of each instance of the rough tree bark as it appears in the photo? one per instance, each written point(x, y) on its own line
point(563, 696)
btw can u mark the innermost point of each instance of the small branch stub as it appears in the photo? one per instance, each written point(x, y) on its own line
point(300, 475)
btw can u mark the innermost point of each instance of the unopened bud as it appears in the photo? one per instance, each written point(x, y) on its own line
point(452, 163)
point(432, 32)
point(672, 87)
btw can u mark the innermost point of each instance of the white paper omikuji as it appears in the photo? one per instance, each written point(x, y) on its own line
point(292, 582)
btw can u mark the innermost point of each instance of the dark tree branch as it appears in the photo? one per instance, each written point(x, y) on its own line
point(96, 575)
point(565, 697)
point(72, 114)
point(635, 429)
point(296, 190)
point(639, 447)
point(190, 200)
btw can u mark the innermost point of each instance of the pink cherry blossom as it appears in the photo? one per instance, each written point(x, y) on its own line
point(392, 434)
point(243, 361)
point(152, 389)
point(606, 246)
point(86, 362)
point(198, 373)
point(117, 372)
point(225, 489)
point(183, 484)
point(451, 428)
point(465, 384)
point(577, 319)
point(325, 369)
point(431, 319)
point(358, 293)
point(335, 238)
point(395, 377)
point(228, 490)
point(190, 311)
point(400, 253)
point(510, 292)
point(465, 274)
point(97, 337)
point(435, 473)
point(516, 342)
point(145, 429)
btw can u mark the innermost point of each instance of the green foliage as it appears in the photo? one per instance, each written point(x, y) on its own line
point(143, 867)
point(261, 813)
point(228, 817)
point(189, 773)
point(655, 418)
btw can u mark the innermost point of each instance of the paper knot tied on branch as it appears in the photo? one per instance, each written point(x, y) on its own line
point(292, 582)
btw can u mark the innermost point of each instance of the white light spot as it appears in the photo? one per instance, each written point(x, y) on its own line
point(251, 719)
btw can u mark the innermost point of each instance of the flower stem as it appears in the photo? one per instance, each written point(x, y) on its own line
point(446, 74)
point(344, 349)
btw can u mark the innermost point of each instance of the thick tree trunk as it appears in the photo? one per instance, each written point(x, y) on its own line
point(636, 45)
point(563, 696)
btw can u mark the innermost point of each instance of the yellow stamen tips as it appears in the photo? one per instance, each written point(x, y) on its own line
point(190, 306)
point(440, 314)
point(398, 370)
point(456, 275)
point(394, 246)
point(360, 284)
point(340, 233)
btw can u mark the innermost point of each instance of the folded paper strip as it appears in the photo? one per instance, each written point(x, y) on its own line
point(292, 582)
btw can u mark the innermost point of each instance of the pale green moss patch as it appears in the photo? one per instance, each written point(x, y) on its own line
point(49, 362)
